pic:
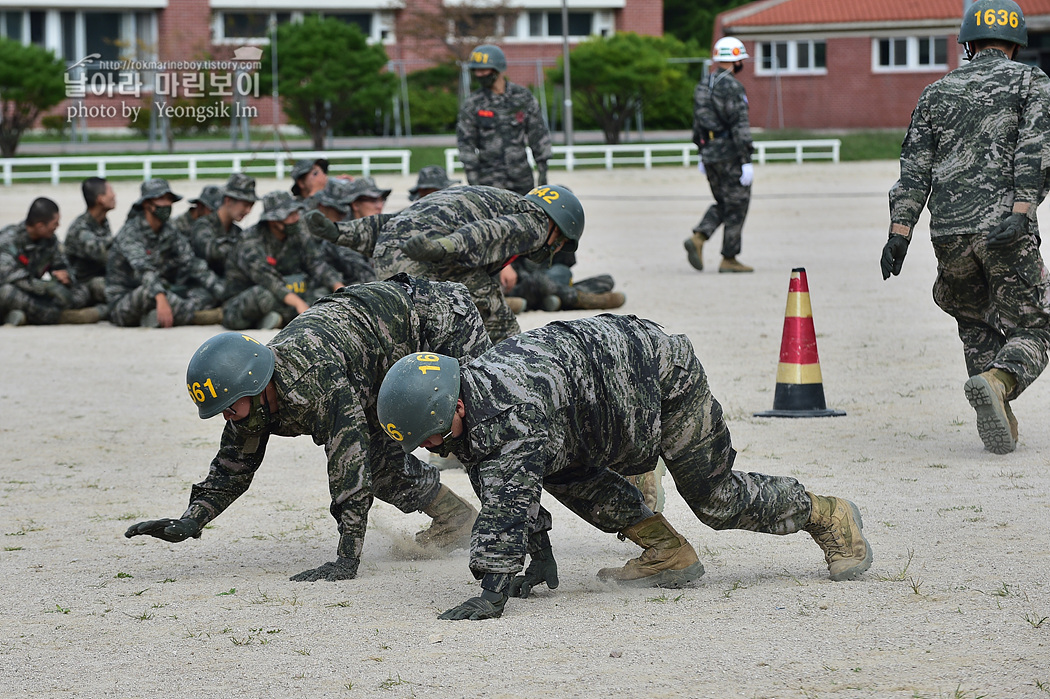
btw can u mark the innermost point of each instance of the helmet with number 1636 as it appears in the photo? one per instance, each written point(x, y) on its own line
point(994, 19)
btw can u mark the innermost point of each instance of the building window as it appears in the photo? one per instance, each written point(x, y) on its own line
point(544, 24)
point(363, 20)
point(795, 57)
point(910, 53)
point(27, 27)
point(246, 27)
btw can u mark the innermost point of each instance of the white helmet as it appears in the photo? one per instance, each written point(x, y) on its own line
point(729, 49)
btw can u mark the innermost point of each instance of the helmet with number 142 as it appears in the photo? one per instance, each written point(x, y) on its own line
point(225, 369)
point(564, 208)
point(1000, 20)
point(418, 398)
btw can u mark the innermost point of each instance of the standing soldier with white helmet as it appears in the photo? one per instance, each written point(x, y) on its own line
point(495, 124)
point(723, 134)
point(975, 155)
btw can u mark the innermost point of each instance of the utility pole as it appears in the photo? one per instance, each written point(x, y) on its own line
point(568, 76)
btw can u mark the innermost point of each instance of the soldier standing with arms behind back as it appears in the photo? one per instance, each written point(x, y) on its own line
point(496, 123)
point(723, 135)
point(976, 155)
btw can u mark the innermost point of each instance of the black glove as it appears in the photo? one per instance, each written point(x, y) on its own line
point(893, 255)
point(542, 567)
point(170, 530)
point(541, 174)
point(60, 293)
point(420, 247)
point(488, 606)
point(341, 568)
point(320, 227)
point(1012, 227)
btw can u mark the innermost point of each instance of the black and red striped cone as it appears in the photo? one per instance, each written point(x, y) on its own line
point(800, 388)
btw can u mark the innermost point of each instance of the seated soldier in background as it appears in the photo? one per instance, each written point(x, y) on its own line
point(432, 178)
point(215, 234)
point(553, 289)
point(273, 270)
point(29, 252)
point(309, 176)
point(210, 199)
point(153, 279)
point(345, 266)
point(366, 198)
point(89, 238)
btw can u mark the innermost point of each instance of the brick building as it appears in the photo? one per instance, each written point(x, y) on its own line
point(826, 64)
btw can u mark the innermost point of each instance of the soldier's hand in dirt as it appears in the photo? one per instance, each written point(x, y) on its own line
point(170, 530)
point(1012, 227)
point(319, 226)
point(488, 606)
point(426, 249)
point(342, 568)
point(542, 569)
point(893, 253)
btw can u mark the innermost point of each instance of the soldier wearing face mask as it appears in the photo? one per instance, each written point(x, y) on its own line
point(153, 279)
point(273, 270)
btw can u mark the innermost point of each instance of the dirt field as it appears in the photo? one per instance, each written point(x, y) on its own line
point(97, 433)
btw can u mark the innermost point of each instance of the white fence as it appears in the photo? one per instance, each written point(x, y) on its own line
point(194, 165)
point(685, 154)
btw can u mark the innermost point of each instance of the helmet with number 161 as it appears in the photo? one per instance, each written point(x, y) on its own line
point(225, 369)
point(994, 19)
point(729, 49)
point(418, 398)
point(564, 208)
point(488, 56)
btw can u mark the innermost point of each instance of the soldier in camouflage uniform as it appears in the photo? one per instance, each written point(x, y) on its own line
point(89, 237)
point(274, 271)
point(976, 155)
point(28, 251)
point(326, 368)
point(344, 266)
point(470, 233)
point(210, 200)
point(215, 234)
point(495, 124)
point(571, 408)
point(309, 177)
point(723, 134)
point(153, 279)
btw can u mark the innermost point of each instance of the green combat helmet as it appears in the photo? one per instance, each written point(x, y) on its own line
point(562, 206)
point(418, 398)
point(488, 56)
point(225, 369)
point(1002, 20)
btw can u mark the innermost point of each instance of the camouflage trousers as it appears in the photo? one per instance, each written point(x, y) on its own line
point(352, 266)
point(40, 309)
point(96, 287)
point(244, 310)
point(1000, 299)
point(730, 208)
point(534, 286)
point(520, 180)
point(129, 309)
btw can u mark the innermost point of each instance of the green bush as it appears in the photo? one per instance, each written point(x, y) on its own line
point(433, 99)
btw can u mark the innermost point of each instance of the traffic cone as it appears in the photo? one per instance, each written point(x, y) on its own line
point(800, 388)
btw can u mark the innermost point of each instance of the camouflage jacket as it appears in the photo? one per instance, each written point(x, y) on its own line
point(578, 394)
point(183, 223)
point(87, 246)
point(23, 261)
point(720, 108)
point(345, 265)
point(211, 242)
point(329, 364)
point(260, 259)
point(156, 260)
point(979, 140)
point(492, 132)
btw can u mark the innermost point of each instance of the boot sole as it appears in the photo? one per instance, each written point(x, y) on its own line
point(855, 571)
point(672, 579)
point(992, 423)
point(694, 257)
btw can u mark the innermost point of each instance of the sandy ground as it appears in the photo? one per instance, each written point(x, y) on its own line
point(97, 433)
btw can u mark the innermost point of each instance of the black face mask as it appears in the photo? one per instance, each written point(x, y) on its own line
point(450, 445)
point(738, 66)
point(545, 255)
point(488, 81)
point(162, 213)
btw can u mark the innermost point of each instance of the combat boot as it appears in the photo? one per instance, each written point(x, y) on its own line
point(610, 299)
point(835, 524)
point(551, 303)
point(15, 317)
point(668, 559)
point(731, 264)
point(516, 304)
point(79, 316)
point(210, 316)
point(987, 393)
point(694, 249)
point(453, 519)
point(271, 321)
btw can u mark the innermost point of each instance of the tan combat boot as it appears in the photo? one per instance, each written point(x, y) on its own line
point(610, 299)
point(516, 304)
point(694, 249)
point(731, 264)
point(835, 525)
point(15, 318)
point(453, 519)
point(210, 316)
point(987, 393)
point(79, 316)
point(668, 559)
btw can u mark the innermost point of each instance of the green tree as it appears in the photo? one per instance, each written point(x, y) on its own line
point(695, 19)
point(327, 75)
point(30, 83)
point(433, 98)
point(613, 78)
